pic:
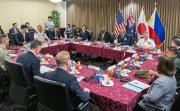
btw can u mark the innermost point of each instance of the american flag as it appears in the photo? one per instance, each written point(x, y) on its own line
point(131, 18)
point(120, 24)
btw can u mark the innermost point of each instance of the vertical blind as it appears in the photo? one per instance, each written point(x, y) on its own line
point(97, 13)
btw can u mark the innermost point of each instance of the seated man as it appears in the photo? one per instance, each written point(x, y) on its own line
point(23, 36)
point(14, 29)
point(4, 54)
point(40, 35)
point(146, 42)
point(77, 94)
point(74, 32)
point(124, 39)
point(30, 61)
point(84, 34)
point(176, 43)
point(56, 33)
point(30, 29)
point(104, 36)
point(68, 30)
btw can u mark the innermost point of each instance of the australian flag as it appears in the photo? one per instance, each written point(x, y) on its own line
point(131, 27)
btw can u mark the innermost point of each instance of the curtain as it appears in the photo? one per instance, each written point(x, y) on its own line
point(97, 13)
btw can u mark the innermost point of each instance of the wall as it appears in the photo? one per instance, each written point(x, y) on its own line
point(61, 7)
point(95, 13)
point(21, 11)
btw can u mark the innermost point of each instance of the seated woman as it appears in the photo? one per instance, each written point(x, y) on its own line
point(163, 89)
point(40, 35)
point(146, 42)
point(104, 36)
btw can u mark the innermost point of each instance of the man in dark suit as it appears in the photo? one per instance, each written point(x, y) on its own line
point(176, 42)
point(104, 36)
point(124, 39)
point(56, 33)
point(77, 94)
point(84, 34)
point(23, 36)
point(14, 29)
point(30, 61)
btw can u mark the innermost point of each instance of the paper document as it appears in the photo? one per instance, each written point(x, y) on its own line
point(44, 69)
point(136, 85)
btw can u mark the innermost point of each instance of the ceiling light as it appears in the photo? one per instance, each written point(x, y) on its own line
point(55, 1)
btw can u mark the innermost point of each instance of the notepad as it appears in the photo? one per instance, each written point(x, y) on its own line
point(44, 69)
point(136, 85)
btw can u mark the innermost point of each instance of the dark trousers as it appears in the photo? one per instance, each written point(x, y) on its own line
point(138, 108)
point(49, 33)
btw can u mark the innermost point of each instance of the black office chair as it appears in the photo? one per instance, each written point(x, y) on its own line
point(4, 84)
point(175, 106)
point(20, 92)
point(53, 96)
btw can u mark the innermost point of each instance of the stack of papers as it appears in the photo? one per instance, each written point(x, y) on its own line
point(44, 69)
point(93, 67)
point(136, 85)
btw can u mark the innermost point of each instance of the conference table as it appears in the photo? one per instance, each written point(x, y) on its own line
point(88, 48)
point(115, 98)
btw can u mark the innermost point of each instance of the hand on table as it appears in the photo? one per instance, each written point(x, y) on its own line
point(153, 73)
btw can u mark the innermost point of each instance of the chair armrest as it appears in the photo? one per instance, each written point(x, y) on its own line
point(156, 107)
point(33, 97)
point(81, 106)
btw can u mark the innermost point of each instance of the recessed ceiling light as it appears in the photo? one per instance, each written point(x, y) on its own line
point(55, 1)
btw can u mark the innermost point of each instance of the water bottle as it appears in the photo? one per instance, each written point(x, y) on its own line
point(86, 40)
point(100, 74)
point(155, 49)
point(133, 62)
point(97, 78)
point(145, 55)
point(108, 44)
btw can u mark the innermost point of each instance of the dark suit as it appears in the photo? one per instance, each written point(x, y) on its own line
point(107, 37)
point(178, 53)
point(20, 39)
point(56, 34)
point(31, 65)
point(124, 39)
point(77, 95)
point(1, 31)
point(84, 35)
point(12, 31)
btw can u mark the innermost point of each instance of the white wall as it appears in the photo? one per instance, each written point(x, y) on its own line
point(61, 7)
point(33, 11)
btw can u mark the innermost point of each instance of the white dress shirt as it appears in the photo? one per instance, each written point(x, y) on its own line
point(146, 43)
point(40, 35)
point(49, 25)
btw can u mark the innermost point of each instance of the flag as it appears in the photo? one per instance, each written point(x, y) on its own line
point(142, 25)
point(131, 27)
point(156, 28)
point(120, 24)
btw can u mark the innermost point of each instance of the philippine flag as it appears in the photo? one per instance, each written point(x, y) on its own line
point(142, 25)
point(156, 29)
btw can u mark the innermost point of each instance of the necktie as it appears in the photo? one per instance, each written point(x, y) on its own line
point(24, 36)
